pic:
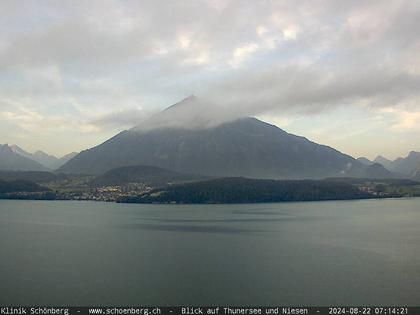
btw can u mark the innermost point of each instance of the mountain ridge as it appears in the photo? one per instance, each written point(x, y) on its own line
point(47, 160)
point(403, 165)
point(244, 147)
point(12, 161)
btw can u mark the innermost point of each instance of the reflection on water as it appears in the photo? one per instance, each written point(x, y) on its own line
point(87, 253)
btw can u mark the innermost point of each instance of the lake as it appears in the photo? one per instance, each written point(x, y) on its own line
point(310, 253)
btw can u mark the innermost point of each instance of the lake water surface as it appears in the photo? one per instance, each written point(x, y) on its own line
point(319, 253)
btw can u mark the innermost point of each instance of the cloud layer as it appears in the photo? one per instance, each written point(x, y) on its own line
point(91, 66)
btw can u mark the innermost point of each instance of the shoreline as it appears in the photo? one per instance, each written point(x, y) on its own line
point(213, 203)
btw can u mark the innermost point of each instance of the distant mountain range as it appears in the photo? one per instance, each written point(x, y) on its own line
point(189, 138)
point(15, 158)
point(12, 161)
point(39, 156)
point(240, 147)
point(408, 166)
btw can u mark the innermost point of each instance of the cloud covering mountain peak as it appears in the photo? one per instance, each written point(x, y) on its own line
point(190, 113)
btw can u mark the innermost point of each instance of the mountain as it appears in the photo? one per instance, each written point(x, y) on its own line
point(63, 160)
point(376, 170)
point(407, 165)
point(12, 161)
point(384, 162)
point(39, 156)
point(379, 159)
point(150, 175)
point(47, 160)
point(365, 161)
point(190, 113)
point(403, 166)
point(242, 147)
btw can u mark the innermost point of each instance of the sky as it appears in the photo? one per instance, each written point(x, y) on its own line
point(341, 73)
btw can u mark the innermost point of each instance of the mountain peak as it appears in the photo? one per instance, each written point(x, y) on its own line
point(42, 154)
point(380, 157)
point(414, 154)
point(5, 146)
point(365, 160)
point(12, 160)
point(192, 99)
point(190, 113)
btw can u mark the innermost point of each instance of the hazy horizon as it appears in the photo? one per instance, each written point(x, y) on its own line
point(347, 75)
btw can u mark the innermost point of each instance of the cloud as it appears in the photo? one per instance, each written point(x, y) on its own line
point(301, 89)
point(120, 119)
point(290, 33)
point(243, 52)
point(403, 120)
point(408, 121)
point(31, 120)
point(71, 62)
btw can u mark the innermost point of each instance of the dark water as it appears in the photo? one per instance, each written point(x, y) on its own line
point(87, 253)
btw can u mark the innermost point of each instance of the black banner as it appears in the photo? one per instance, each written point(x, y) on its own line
point(213, 310)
